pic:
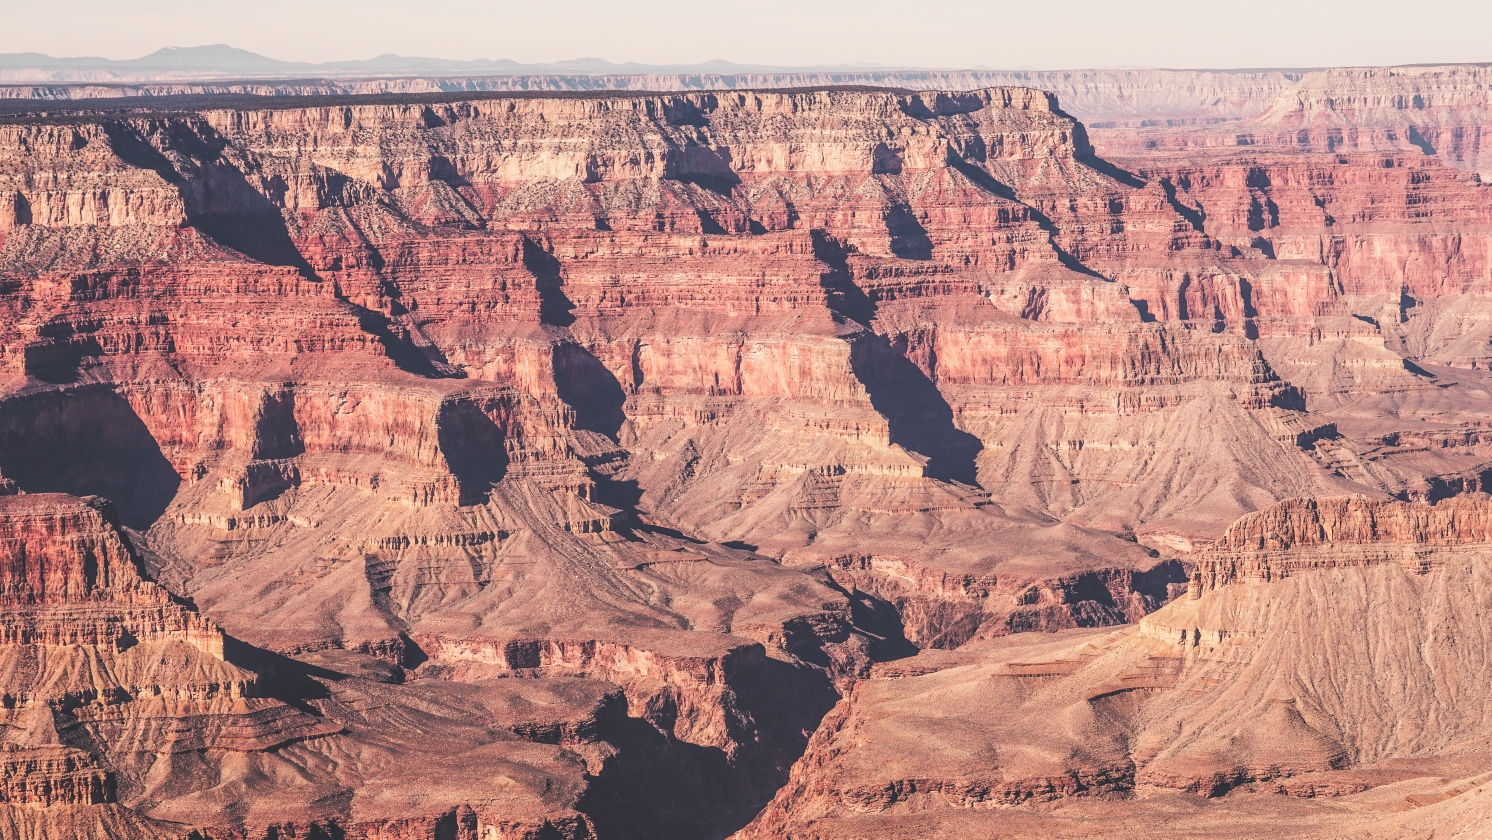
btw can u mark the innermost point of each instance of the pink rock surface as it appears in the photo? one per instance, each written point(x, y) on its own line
point(556, 464)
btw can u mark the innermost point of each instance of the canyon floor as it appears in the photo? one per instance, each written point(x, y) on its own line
point(809, 461)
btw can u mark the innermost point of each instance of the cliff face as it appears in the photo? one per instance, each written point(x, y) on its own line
point(98, 663)
point(1299, 535)
point(62, 560)
point(1436, 111)
point(122, 719)
point(671, 415)
point(1307, 678)
point(1131, 97)
point(563, 249)
point(1426, 110)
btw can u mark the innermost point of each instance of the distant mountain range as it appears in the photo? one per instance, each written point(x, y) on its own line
point(222, 60)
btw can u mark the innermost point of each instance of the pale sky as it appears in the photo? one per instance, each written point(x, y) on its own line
point(926, 33)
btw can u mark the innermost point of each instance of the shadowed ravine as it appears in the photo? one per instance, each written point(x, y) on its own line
point(823, 462)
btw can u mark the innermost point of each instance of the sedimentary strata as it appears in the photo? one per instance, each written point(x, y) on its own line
point(595, 465)
point(1343, 660)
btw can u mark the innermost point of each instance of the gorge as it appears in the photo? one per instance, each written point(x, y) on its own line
point(810, 460)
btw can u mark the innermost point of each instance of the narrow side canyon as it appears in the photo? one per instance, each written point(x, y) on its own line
point(810, 462)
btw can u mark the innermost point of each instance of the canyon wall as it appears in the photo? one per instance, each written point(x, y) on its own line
point(1134, 97)
point(633, 442)
point(1302, 679)
point(1435, 110)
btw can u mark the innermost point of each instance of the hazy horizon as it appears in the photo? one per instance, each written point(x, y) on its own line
point(1067, 34)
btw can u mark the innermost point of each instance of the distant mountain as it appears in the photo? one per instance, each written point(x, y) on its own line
point(215, 57)
point(222, 60)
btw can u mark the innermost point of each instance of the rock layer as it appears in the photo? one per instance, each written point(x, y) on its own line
point(598, 445)
point(1142, 96)
point(1291, 679)
point(122, 719)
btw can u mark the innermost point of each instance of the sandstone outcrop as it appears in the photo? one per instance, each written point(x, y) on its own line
point(1292, 678)
point(602, 444)
point(1138, 97)
point(1429, 110)
point(122, 718)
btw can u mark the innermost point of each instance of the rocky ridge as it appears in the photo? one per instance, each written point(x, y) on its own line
point(1131, 97)
point(1435, 111)
point(1290, 680)
point(679, 416)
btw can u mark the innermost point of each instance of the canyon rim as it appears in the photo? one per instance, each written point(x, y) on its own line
point(813, 454)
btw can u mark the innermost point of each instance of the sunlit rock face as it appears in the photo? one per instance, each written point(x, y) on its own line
point(600, 465)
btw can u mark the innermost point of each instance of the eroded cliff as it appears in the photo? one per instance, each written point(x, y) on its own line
point(620, 435)
point(1312, 677)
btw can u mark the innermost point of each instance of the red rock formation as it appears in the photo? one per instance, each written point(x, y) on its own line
point(563, 269)
point(1300, 535)
point(116, 693)
point(63, 561)
point(706, 401)
point(1139, 97)
point(1311, 679)
point(1437, 110)
point(81, 635)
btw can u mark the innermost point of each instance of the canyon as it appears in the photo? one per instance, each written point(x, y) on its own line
point(797, 457)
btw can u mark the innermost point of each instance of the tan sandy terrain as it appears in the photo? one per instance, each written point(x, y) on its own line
point(820, 462)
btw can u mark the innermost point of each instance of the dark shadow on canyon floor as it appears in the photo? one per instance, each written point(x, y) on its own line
point(909, 238)
point(86, 441)
point(882, 621)
point(555, 307)
point(474, 447)
point(591, 390)
point(657, 786)
point(919, 418)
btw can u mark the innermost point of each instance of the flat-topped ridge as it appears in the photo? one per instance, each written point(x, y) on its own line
point(91, 110)
point(1359, 520)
